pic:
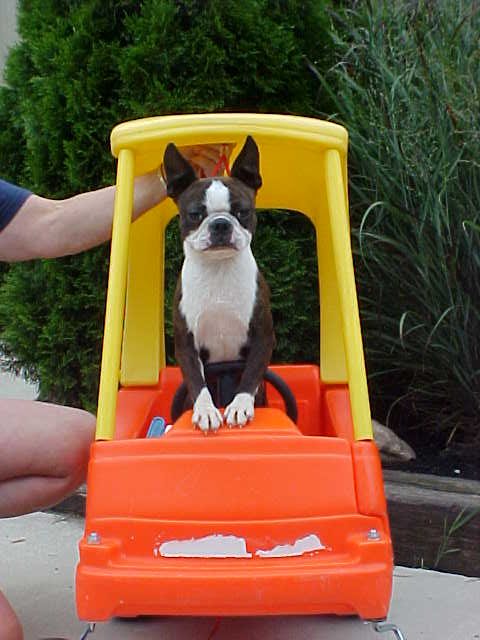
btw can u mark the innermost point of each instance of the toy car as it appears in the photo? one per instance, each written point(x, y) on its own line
point(284, 516)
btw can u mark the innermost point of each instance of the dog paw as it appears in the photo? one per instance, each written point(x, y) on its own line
point(240, 410)
point(206, 416)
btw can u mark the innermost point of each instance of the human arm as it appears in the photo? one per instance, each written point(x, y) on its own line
point(45, 228)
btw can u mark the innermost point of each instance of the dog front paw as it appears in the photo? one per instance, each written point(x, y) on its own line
point(240, 410)
point(206, 416)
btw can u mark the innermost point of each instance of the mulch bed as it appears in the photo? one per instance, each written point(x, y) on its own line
point(453, 462)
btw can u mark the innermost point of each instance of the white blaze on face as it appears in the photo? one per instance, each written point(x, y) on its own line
point(217, 198)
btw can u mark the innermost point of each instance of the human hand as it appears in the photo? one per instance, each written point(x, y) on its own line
point(204, 158)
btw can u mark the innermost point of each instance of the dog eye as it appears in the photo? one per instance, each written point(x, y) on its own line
point(196, 214)
point(241, 214)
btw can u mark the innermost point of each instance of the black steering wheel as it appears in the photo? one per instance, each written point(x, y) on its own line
point(222, 380)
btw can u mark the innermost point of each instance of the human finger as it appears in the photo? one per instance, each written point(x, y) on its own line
point(207, 151)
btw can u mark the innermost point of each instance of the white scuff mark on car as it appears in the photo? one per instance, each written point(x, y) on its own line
point(212, 546)
point(308, 544)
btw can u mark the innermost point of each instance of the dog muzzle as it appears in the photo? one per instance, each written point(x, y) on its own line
point(222, 231)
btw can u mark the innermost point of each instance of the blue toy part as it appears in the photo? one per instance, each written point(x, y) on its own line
point(157, 427)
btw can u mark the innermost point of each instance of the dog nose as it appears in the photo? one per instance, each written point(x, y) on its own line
point(220, 226)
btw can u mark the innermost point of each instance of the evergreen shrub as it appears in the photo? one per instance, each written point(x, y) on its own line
point(82, 66)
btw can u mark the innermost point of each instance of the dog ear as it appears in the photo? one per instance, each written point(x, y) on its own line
point(247, 165)
point(179, 172)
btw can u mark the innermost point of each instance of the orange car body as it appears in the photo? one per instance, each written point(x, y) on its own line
point(269, 484)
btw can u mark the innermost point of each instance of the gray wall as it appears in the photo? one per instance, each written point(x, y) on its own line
point(8, 32)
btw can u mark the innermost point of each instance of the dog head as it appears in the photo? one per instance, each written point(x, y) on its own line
point(217, 215)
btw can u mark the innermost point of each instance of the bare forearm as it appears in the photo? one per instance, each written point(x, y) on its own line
point(91, 214)
point(46, 228)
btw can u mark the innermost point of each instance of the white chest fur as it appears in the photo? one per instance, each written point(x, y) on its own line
point(218, 297)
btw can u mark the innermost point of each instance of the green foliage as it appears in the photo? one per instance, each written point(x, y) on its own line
point(203, 56)
point(52, 314)
point(450, 532)
point(287, 256)
point(84, 65)
point(407, 88)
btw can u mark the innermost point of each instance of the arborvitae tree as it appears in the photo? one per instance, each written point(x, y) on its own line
point(82, 66)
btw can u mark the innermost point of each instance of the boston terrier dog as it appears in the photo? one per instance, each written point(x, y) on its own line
point(222, 302)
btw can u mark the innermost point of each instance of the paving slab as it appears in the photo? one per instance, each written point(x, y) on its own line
point(12, 386)
point(38, 554)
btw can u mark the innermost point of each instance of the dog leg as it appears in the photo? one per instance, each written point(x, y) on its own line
point(261, 340)
point(206, 416)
